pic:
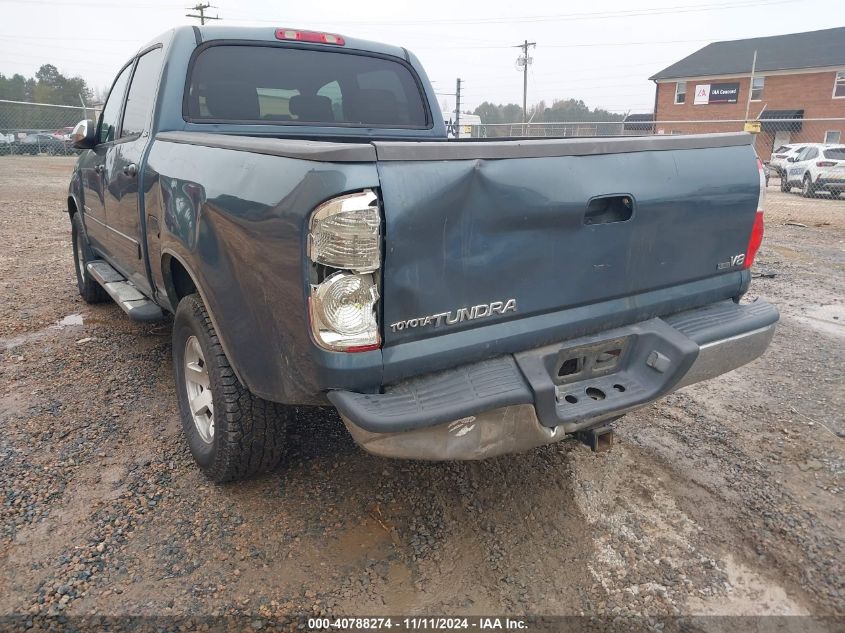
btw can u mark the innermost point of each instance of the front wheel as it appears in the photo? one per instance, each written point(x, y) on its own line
point(232, 434)
point(89, 289)
point(784, 184)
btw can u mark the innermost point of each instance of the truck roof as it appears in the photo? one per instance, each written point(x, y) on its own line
point(268, 34)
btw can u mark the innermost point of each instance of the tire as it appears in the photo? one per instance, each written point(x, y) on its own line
point(835, 194)
point(234, 434)
point(89, 289)
point(807, 188)
point(784, 184)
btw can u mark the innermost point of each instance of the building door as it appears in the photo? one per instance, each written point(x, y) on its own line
point(781, 138)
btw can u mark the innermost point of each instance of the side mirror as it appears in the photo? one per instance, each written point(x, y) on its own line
point(791, 159)
point(82, 136)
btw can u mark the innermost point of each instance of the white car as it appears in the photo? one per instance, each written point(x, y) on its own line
point(816, 167)
point(777, 163)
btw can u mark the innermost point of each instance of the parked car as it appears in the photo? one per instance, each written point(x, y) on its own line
point(777, 163)
point(293, 199)
point(43, 143)
point(6, 144)
point(64, 133)
point(815, 168)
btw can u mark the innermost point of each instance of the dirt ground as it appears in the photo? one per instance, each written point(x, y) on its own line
point(725, 498)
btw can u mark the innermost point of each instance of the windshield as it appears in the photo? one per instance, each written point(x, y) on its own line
point(272, 85)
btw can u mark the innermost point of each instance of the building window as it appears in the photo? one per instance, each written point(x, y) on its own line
point(833, 137)
point(681, 91)
point(757, 88)
point(839, 85)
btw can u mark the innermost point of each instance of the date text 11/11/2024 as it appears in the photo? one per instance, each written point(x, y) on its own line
point(418, 624)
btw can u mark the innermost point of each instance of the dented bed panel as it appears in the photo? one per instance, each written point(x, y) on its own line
point(465, 238)
point(236, 221)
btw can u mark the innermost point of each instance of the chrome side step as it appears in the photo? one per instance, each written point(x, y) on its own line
point(124, 293)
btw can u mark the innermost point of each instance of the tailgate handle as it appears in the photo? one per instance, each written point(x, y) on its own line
point(609, 209)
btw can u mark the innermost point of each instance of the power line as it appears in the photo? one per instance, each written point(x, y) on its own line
point(596, 15)
point(202, 16)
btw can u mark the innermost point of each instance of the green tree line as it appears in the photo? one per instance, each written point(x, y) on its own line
point(560, 110)
point(48, 86)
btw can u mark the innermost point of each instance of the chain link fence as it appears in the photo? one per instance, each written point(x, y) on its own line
point(39, 128)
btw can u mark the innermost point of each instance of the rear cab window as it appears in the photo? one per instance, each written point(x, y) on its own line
point(280, 85)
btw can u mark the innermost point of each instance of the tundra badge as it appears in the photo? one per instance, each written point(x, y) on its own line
point(456, 316)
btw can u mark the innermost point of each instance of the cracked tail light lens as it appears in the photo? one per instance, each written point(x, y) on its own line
point(344, 244)
point(345, 233)
point(343, 313)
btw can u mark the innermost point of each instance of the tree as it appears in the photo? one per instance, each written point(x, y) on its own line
point(48, 86)
point(492, 113)
point(560, 110)
point(16, 88)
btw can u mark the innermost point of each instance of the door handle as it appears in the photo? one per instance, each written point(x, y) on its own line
point(130, 170)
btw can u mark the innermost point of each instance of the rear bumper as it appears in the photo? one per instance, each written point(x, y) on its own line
point(830, 183)
point(519, 401)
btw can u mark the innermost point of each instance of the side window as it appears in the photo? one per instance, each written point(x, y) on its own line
point(139, 104)
point(111, 111)
point(757, 85)
point(680, 92)
point(839, 85)
point(811, 154)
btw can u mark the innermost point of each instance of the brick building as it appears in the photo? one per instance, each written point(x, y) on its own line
point(798, 76)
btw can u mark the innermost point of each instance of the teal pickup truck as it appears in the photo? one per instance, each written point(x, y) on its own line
point(292, 197)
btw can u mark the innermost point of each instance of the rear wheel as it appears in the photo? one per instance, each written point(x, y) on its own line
point(89, 290)
point(232, 433)
point(835, 194)
point(807, 188)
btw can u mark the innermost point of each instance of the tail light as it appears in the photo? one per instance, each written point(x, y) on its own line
point(756, 238)
point(344, 246)
point(826, 163)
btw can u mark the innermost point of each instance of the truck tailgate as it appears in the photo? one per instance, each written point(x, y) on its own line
point(478, 233)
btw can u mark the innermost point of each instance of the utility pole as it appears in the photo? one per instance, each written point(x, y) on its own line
point(458, 108)
point(202, 16)
point(523, 61)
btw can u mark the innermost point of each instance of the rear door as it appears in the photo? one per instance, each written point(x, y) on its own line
point(92, 165)
point(125, 180)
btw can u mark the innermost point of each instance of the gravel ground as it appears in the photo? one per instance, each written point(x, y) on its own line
point(724, 498)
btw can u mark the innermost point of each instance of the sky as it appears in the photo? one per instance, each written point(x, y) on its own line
point(601, 52)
